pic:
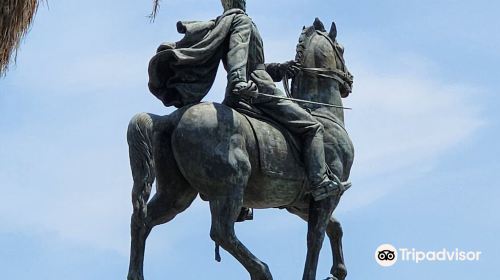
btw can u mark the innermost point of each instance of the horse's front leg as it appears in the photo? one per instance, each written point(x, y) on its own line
point(335, 233)
point(319, 215)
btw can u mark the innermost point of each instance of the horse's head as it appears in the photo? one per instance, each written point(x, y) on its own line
point(323, 75)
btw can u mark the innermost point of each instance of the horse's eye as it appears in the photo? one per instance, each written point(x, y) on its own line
point(341, 48)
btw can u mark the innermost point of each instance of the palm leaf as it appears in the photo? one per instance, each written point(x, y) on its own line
point(16, 17)
point(156, 8)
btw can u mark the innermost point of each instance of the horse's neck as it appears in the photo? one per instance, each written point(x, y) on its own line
point(318, 52)
point(319, 90)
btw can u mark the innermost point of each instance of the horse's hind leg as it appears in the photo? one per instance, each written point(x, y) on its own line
point(173, 194)
point(162, 208)
point(139, 231)
point(139, 136)
point(335, 233)
point(225, 211)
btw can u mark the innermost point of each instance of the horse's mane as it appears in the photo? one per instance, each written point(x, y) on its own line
point(304, 41)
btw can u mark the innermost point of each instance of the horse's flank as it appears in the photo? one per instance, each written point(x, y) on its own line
point(238, 157)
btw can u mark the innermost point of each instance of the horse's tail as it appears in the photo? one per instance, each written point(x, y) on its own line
point(139, 137)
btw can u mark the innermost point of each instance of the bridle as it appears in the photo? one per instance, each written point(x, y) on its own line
point(343, 77)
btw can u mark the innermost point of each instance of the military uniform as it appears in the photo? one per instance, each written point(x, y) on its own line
point(244, 61)
point(182, 73)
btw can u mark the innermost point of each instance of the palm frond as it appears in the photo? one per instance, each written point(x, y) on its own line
point(156, 8)
point(16, 17)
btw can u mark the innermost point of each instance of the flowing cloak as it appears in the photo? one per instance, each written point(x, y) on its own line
point(183, 73)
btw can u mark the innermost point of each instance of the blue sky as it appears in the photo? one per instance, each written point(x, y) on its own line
point(425, 125)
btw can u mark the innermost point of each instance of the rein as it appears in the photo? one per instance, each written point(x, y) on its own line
point(343, 78)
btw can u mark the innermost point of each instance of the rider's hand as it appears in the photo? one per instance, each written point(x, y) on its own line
point(239, 87)
point(290, 68)
point(247, 89)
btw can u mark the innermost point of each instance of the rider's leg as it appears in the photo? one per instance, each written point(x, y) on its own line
point(300, 122)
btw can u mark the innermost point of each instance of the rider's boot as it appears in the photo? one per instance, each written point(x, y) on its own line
point(325, 189)
point(321, 184)
point(330, 186)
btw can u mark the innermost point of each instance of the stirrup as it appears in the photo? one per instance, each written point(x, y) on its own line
point(325, 189)
point(330, 187)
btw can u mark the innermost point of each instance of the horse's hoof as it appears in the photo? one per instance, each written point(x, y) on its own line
point(246, 214)
point(135, 277)
point(340, 272)
point(264, 274)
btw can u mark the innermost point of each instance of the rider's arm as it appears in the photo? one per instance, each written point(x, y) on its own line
point(239, 43)
point(274, 71)
point(278, 71)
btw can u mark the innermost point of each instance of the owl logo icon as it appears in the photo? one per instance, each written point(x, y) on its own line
point(386, 255)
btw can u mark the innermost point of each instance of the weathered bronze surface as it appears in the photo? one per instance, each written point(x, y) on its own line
point(252, 150)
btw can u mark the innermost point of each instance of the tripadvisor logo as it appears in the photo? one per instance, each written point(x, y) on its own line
point(387, 255)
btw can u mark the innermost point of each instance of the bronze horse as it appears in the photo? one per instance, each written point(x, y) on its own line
point(212, 150)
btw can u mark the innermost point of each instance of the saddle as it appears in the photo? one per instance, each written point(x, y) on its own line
point(280, 152)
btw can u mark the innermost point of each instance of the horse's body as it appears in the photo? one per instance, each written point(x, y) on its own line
point(212, 150)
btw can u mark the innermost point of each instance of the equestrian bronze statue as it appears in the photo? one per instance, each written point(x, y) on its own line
point(258, 149)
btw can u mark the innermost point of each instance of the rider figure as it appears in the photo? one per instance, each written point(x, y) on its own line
point(246, 74)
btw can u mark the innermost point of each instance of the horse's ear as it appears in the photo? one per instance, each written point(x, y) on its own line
point(304, 28)
point(318, 25)
point(333, 31)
